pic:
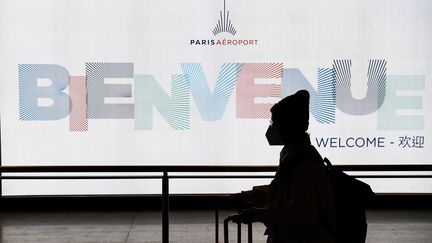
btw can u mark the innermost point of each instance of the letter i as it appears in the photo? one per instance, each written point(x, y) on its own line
point(78, 121)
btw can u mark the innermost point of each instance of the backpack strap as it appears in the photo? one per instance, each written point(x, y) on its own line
point(327, 162)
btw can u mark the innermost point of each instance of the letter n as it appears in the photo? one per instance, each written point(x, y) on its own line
point(149, 94)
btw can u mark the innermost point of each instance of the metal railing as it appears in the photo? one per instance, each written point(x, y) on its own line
point(167, 170)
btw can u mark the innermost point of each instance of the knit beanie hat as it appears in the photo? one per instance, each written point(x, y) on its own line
point(292, 112)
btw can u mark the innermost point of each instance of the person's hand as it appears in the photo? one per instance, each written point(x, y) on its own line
point(241, 200)
point(250, 216)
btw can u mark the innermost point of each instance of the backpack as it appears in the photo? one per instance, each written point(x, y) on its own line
point(351, 197)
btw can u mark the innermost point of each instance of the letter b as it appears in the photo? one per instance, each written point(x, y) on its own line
point(30, 92)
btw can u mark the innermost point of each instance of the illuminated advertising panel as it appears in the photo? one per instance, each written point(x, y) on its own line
point(191, 82)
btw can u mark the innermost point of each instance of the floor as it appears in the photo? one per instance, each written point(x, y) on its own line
point(414, 226)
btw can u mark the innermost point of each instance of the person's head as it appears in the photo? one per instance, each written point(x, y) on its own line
point(290, 116)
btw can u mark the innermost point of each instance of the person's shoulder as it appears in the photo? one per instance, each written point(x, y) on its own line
point(310, 165)
point(313, 166)
point(311, 157)
point(307, 167)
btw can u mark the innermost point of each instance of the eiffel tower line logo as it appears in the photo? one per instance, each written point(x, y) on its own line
point(224, 23)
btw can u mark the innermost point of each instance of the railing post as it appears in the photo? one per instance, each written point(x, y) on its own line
point(216, 225)
point(165, 207)
point(239, 233)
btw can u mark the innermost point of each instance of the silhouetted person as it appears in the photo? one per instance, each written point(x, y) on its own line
point(298, 204)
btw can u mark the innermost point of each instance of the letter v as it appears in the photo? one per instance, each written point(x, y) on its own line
point(212, 106)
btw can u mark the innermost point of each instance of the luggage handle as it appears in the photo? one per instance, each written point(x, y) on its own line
point(226, 233)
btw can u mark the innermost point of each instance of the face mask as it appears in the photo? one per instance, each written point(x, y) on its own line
point(273, 136)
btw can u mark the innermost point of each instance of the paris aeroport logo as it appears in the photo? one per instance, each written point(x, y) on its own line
point(224, 26)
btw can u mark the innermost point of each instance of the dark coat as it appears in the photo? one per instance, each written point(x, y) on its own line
point(299, 200)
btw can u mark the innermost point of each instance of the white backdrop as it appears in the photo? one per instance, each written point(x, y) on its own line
point(157, 37)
